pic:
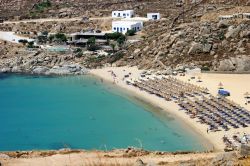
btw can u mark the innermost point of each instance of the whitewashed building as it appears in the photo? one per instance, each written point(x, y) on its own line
point(246, 15)
point(123, 14)
point(226, 17)
point(124, 26)
point(153, 16)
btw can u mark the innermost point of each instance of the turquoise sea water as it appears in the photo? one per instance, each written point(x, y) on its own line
point(81, 112)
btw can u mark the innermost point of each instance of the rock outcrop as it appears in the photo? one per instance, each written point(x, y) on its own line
point(39, 62)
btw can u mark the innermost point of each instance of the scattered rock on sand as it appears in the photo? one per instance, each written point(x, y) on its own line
point(139, 162)
point(227, 159)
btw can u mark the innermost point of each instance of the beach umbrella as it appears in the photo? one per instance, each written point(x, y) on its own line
point(246, 94)
point(220, 85)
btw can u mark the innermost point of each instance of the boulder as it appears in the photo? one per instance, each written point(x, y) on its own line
point(248, 3)
point(242, 63)
point(207, 48)
point(195, 48)
point(223, 24)
point(16, 69)
point(226, 65)
point(233, 32)
point(67, 70)
point(5, 70)
point(137, 51)
point(245, 34)
point(40, 70)
point(239, 64)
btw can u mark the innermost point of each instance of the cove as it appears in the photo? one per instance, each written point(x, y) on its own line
point(81, 112)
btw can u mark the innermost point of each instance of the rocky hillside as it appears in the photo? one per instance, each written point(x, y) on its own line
point(222, 46)
point(9, 9)
point(72, 8)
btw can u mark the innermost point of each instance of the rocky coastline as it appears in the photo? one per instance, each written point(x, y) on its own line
point(42, 64)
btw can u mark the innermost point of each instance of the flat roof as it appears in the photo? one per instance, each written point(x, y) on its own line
point(122, 10)
point(126, 22)
point(88, 34)
point(226, 16)
point(153, 13)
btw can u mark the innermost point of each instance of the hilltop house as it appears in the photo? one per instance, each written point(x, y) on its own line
point(124, 26)
point(123, 14)
point(153, 16)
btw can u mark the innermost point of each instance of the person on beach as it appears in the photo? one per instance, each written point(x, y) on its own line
point(207, 130)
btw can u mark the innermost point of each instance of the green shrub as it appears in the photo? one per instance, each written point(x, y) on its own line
point(60, 37)
point(30, 44)
point(131, 32)
point(205, 68)
point(45, 33)
point(91, 44)
point(23, 41)
point(42, 5)
point(116, 57)
point(78, 52)
point(114, 36)
point(221, 36)
point(121, 40)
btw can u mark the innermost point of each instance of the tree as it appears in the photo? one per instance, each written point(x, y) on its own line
point(51, 38)
point(113, 47)
point(61, 37)
point(31, 44)
point(91, 44)
point(121, 40)
point(78, 52)
point(45, 33)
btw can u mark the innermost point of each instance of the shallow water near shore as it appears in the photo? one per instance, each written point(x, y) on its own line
point(81, 112)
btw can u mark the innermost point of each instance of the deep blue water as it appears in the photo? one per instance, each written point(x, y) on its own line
point(81, 112)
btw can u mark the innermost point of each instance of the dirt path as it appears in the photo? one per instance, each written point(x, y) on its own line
point(55, 19)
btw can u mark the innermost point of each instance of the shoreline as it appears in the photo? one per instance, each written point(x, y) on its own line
point(212, 138)
point(165, 107)
point(231, 83)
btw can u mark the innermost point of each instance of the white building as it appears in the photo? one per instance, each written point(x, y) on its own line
point(124, 26)
point(246, 15)
point(226, 17)
point(123, 14)
point(153, 16)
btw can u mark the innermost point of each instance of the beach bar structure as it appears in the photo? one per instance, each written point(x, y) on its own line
point(123, 14)
point(124, 26)
point(81, 38)
point(153, 16)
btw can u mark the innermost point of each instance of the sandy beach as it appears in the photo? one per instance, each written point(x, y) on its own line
point(231, 82)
